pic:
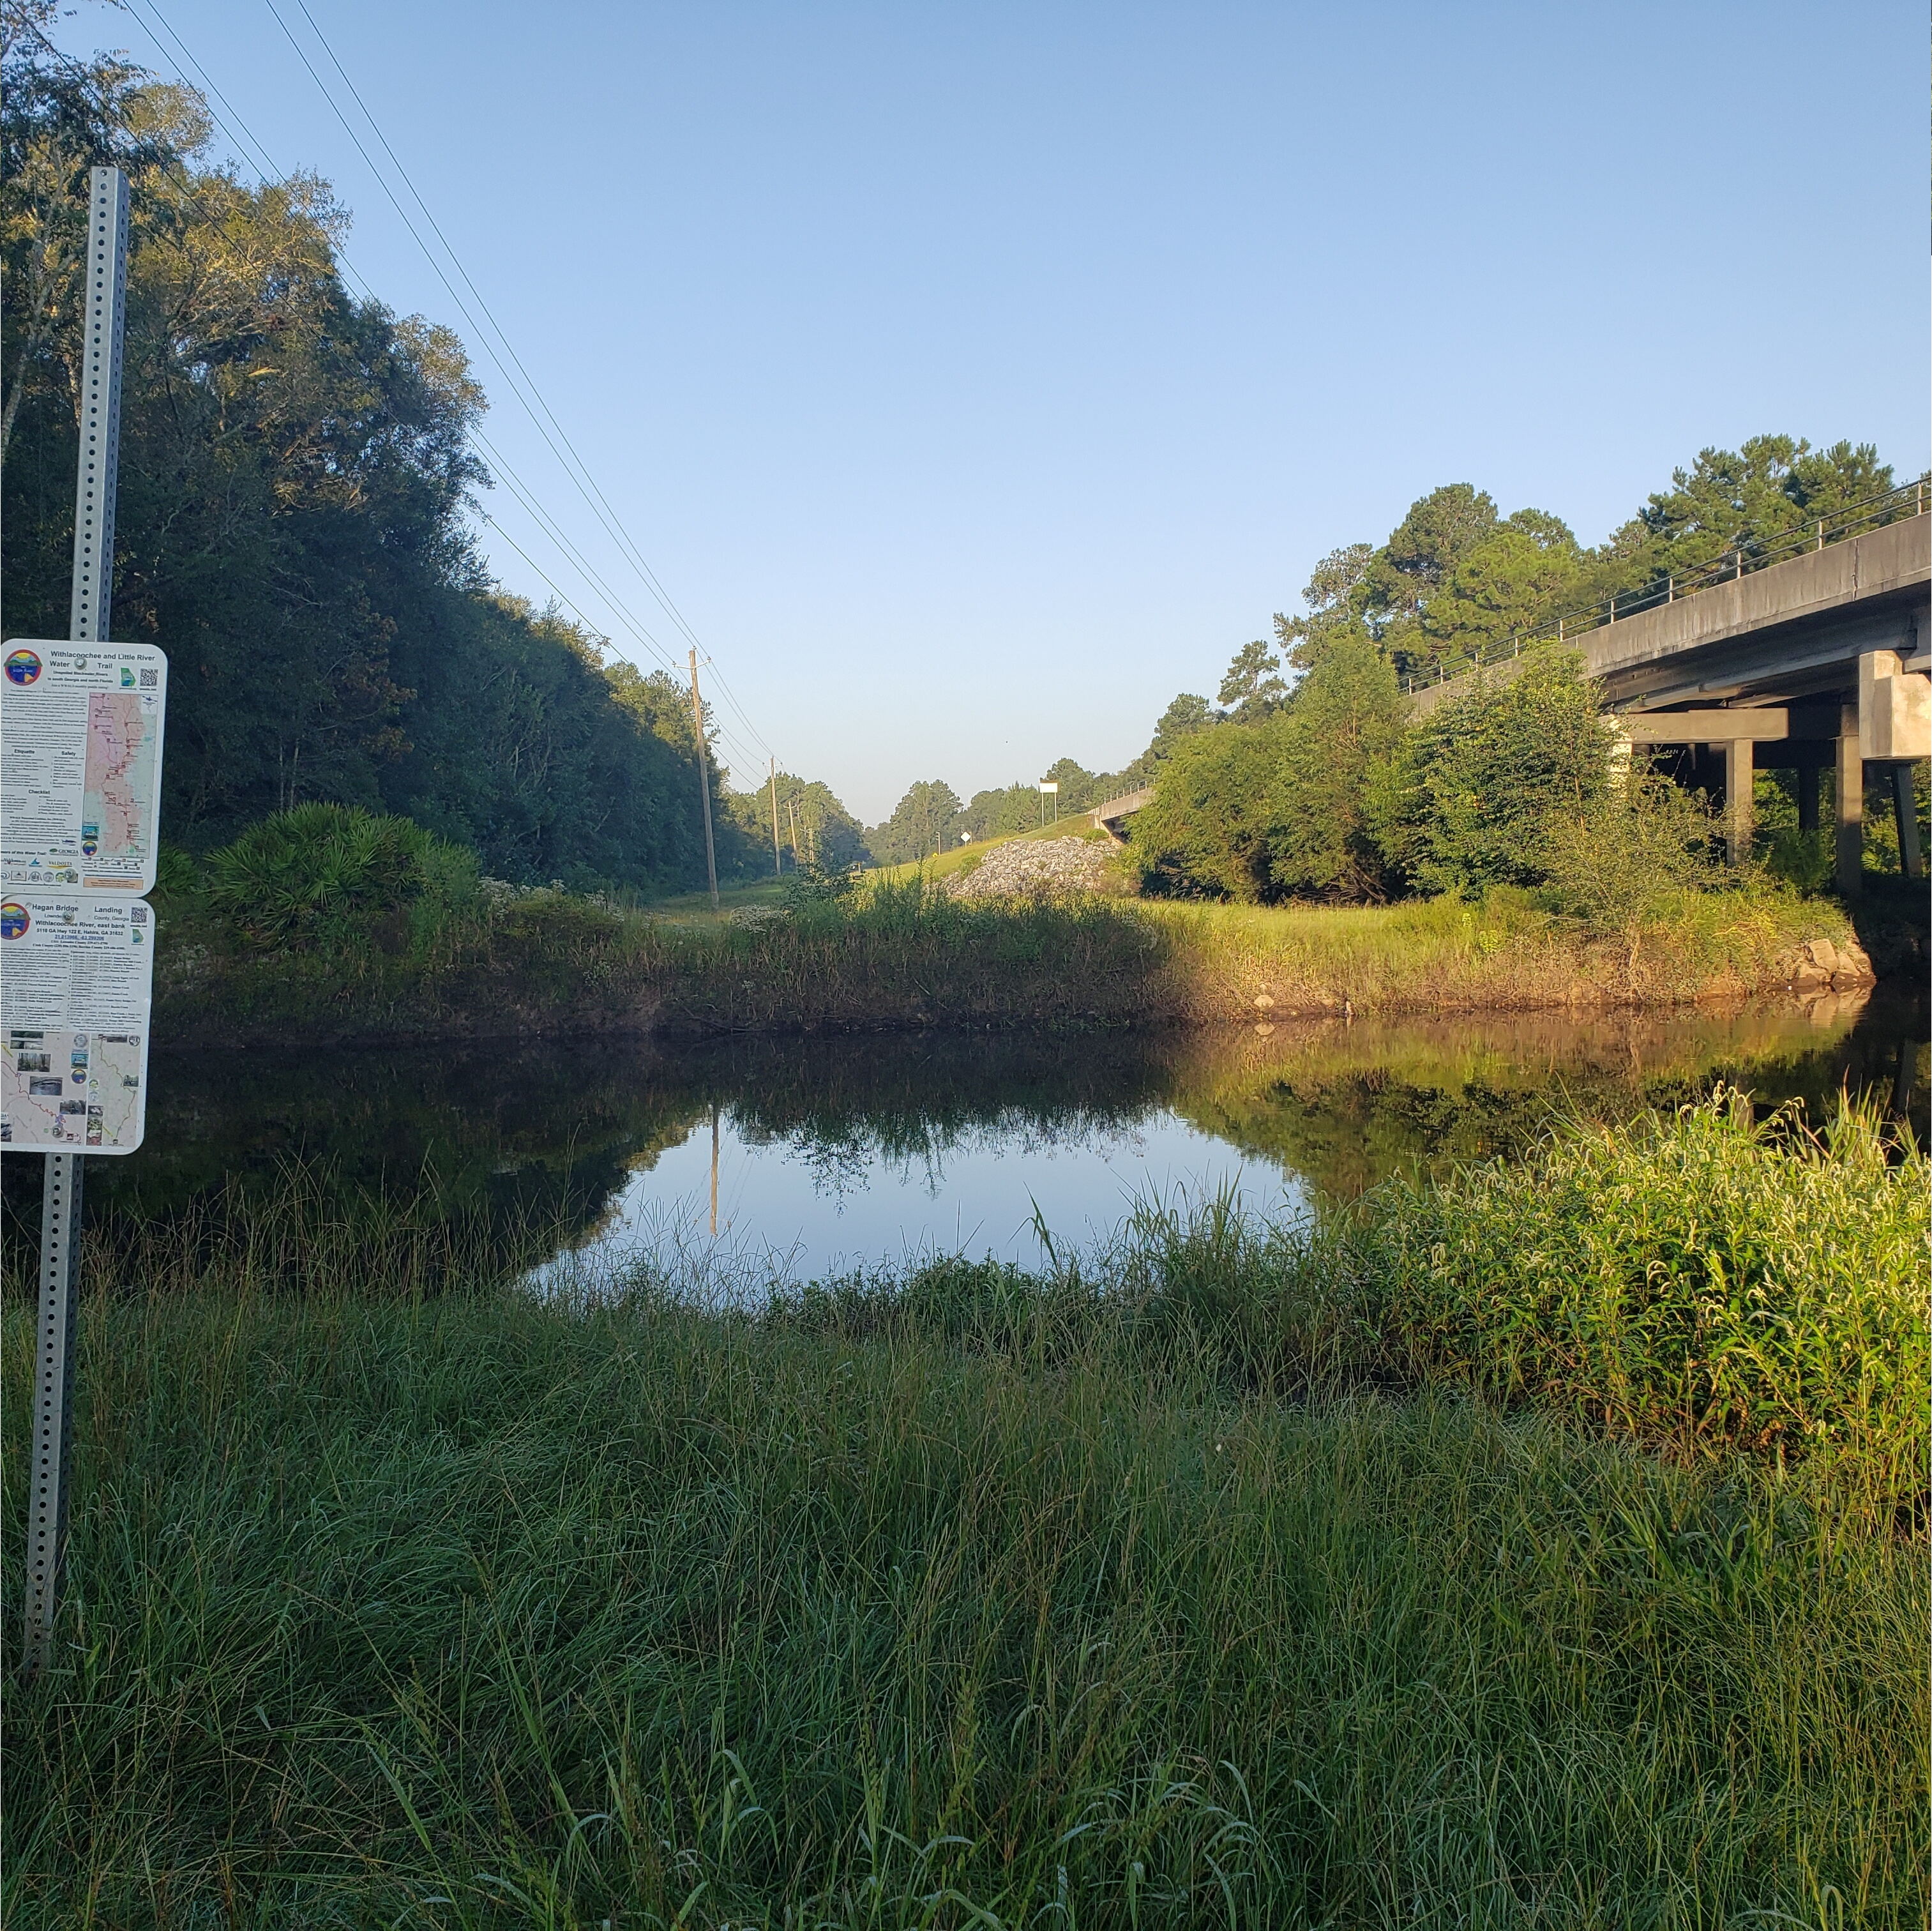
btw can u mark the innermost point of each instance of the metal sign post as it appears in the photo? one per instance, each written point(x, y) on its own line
point(93, 591)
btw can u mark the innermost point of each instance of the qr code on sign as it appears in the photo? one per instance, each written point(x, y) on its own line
point(150, 679)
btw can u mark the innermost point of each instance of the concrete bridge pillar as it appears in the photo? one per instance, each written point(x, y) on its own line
point(1740, 781)
point(1905, 807)
point(1851, 802)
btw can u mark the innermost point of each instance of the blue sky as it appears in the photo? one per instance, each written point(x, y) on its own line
point(975, 378)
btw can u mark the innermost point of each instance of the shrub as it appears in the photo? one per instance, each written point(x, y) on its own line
point(1619, 867)
point(1482, 777)
point(336, 876)
point(1205, 831)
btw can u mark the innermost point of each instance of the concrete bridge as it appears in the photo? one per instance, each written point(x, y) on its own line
point(1108, 815)
point(1816, 658)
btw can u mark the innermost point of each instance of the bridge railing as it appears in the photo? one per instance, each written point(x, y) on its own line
point(1851, 519)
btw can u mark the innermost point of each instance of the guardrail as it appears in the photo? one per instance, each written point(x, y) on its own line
point(1852, 519)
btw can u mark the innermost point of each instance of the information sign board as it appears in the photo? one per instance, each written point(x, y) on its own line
point(80, 764)
point(76, 978)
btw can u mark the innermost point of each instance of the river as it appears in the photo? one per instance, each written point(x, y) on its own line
point(785, 1160)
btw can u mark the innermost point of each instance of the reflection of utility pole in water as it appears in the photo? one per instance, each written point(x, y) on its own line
point(1901, 1080)
point(703, 781)
point(714, 1170)
point(60, 1202)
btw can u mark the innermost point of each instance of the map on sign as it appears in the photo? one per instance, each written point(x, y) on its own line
point(80, 764)
point(76, 976)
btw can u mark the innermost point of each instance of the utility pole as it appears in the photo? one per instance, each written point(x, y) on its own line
point(791, 813)
point(61, 1199)
point(704, 780)
point(776, 867)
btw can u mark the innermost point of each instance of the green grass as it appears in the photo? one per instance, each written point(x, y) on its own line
point(1190, 1584)
point(745, 896)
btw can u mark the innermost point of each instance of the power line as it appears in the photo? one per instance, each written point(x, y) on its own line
point(255, 153)
point(622, 534)
point(522, 385)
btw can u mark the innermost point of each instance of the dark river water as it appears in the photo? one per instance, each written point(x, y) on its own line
point(792, 1159)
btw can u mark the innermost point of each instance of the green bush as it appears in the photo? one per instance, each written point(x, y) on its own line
point(1482, 778)
point(1621, 867)
point(339, 877)
point(1204, 832)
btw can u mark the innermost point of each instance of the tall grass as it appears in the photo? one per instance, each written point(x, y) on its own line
point(1179, 1585)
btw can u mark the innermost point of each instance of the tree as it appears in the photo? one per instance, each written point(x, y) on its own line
point(1481, 778)
point(1076, 787)
point(1771, 487)
point(1440, 530)
point(1188, 713)
point(296, 476)
point(1205, 829)
point(1333, 599)
point(828, 835)
point(1252, 688)
point(923, 823)
point(1334, 751)
point(1000, 813)
point(1508, 584)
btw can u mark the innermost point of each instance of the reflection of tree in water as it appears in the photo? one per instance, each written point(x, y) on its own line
point(1428, 1098)
point(843, 1157)
point(847, 1109)
point(521, 1143)
point(547, 1135)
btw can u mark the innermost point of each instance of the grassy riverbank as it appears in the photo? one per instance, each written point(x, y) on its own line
point(1356, 1577)
point(908, 955)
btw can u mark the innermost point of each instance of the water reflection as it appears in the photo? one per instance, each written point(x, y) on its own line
point(834, 1151)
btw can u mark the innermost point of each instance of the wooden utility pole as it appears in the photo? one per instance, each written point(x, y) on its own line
point(776, 867)
point(703, 781)
point(791, 813)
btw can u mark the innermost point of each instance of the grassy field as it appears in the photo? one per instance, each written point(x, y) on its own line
point(908, 955)
point(1232, 1575)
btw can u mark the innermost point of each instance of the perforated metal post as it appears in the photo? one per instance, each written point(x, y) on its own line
point(100, 406)
point(53, 1384)
point(93, 594)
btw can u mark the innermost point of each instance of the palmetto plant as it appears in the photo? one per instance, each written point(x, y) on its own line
point(292, 875)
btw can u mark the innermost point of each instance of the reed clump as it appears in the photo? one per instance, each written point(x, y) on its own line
point(1196, 1580)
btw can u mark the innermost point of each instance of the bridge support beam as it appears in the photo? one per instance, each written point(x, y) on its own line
point(1851, 802)
point(1740, 781)
point(1905, 807)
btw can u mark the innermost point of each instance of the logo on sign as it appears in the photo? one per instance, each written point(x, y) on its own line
point(22, 666)
point(14, 919)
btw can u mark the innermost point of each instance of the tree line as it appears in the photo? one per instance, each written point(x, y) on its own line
point(1305, 779)
point(299, 487)
point(1311, 781)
